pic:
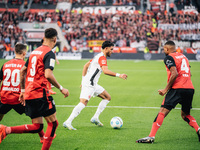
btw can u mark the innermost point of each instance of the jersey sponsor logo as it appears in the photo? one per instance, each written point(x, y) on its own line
point(30, 79)
point(26, 126)
point(37, 52)
point(13, 65)
point(158, 125)
point(10, 89)
point(52, 62)
point(103, 62)
point(169, 63)
point(178, 57)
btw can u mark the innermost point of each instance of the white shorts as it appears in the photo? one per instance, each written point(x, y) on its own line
point(88, 91)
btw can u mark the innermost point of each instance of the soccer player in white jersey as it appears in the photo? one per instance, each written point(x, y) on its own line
point(91, 73)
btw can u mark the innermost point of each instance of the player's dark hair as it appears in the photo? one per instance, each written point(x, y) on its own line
point(107, 44)
point(171, 43)
point(19, 48)
point(42, 40)
point(50, 33)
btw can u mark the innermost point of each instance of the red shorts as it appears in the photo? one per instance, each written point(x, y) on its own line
point(41, 107)
point(4, 108)
point(181, 96)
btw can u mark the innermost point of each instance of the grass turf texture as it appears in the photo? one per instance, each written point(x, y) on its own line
point(140, 90)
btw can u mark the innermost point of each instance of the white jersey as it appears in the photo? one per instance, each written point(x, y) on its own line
point(94, 70)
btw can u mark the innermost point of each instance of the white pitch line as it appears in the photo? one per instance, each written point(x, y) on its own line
point(122, 107)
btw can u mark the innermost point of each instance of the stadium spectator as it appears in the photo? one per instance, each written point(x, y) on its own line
point(10, 33)
point(88, 2)
point(116, 27)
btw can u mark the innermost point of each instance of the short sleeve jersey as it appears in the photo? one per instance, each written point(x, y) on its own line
point(36, 83)
point(94, 71)
point(10, 76)
point(183, 81)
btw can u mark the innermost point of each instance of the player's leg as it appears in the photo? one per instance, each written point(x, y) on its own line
point(20, 109)
point(158, 121)
point(36, 127)
point(1, 116)
point(76, 111)
point(86, 93)
point(156, 125)
point(50, 132)
point(170, 101)
point(4, 109)
point(185, 112)
point(102, 93)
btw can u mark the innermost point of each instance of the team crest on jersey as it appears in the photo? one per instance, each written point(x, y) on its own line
point(89, 96)
point(52, 62)
point(103, 61)
point(168, 63)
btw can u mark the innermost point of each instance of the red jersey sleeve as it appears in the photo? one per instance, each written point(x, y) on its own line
point(91, 60)
point(102, 61)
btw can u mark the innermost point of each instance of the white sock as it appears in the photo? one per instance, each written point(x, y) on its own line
point(76, 111)
point(101, 107)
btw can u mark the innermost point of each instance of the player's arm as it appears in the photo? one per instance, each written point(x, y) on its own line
point(22, 83)
point(170, 63)
point(57, 61)
point(1, 77)
point(49, 62)
point(85, 68)
point(110, 73)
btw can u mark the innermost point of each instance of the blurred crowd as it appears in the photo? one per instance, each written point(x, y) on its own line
point(10, 33)
point(19, 2)
point(122, 29)
point(104, 2)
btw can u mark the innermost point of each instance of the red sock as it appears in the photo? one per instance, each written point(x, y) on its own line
point(48, 137)
point(157, 123)
point(27, 128)
point(41, 133)
point(192, 122)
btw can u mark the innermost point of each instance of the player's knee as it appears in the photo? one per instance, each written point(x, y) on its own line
point(84, 101)
point(184, 117)
point(40, 128)
point(55, 124)
point(108, 97)
point(37, 128)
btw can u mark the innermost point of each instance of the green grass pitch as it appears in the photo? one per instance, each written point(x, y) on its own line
point(139, 90)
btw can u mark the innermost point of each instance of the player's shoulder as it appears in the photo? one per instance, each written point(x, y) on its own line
point(101, 56)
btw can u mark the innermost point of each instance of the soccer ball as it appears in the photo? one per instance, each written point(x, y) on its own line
point(116, 122)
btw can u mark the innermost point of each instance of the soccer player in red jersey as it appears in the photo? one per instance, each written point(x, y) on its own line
point(10, 77)
point(51, 92)
point(38, 71)
point(179, 89)
point(10, 89)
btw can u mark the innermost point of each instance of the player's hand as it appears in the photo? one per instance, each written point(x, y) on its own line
point(21, 99)
point(162, 92)
point(123, 76)
point(65, 92)
point(57, 62)
point(81, 86)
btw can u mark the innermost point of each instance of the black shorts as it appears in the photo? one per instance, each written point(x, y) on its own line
point(4, 108)
point(181, 96)
point(41, 107)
